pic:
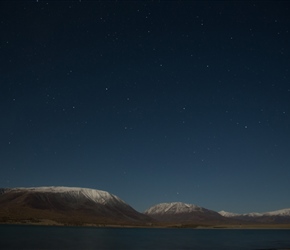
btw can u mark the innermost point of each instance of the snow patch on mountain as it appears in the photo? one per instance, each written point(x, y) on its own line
point(94, 195)
point(173, 208)
point(228, 214)
point(253, 214)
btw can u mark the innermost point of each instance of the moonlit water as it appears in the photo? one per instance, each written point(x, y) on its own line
point(41, 237)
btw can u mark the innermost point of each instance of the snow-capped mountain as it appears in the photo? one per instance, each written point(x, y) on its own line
point(97, 196)
point(279, 216)
point(67, 205)
point(178, 212)
point(282, 212)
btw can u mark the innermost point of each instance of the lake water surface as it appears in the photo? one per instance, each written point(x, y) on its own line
point(41, 237)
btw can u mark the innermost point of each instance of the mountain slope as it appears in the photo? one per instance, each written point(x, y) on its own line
point(67, 205)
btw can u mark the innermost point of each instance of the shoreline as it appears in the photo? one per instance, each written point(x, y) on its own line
point(101, 225)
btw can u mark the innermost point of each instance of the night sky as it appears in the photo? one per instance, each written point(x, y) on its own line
point(151, 101)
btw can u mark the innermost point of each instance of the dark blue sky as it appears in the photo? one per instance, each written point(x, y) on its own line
point(151, 101)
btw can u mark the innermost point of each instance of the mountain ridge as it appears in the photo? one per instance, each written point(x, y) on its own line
point(280, 212)
point(94, 195)
point(277, 216)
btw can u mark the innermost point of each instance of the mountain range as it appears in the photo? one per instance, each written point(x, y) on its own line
point(84, 206)
point(279, 216)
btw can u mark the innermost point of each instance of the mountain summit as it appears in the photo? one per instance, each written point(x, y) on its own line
point(178, 212)
point(67, 205)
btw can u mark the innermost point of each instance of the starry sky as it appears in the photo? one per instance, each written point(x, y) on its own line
point(151, 101)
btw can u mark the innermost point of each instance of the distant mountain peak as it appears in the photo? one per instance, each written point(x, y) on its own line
point(179, 212)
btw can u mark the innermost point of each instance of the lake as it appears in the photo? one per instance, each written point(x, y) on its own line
point(46, 237)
